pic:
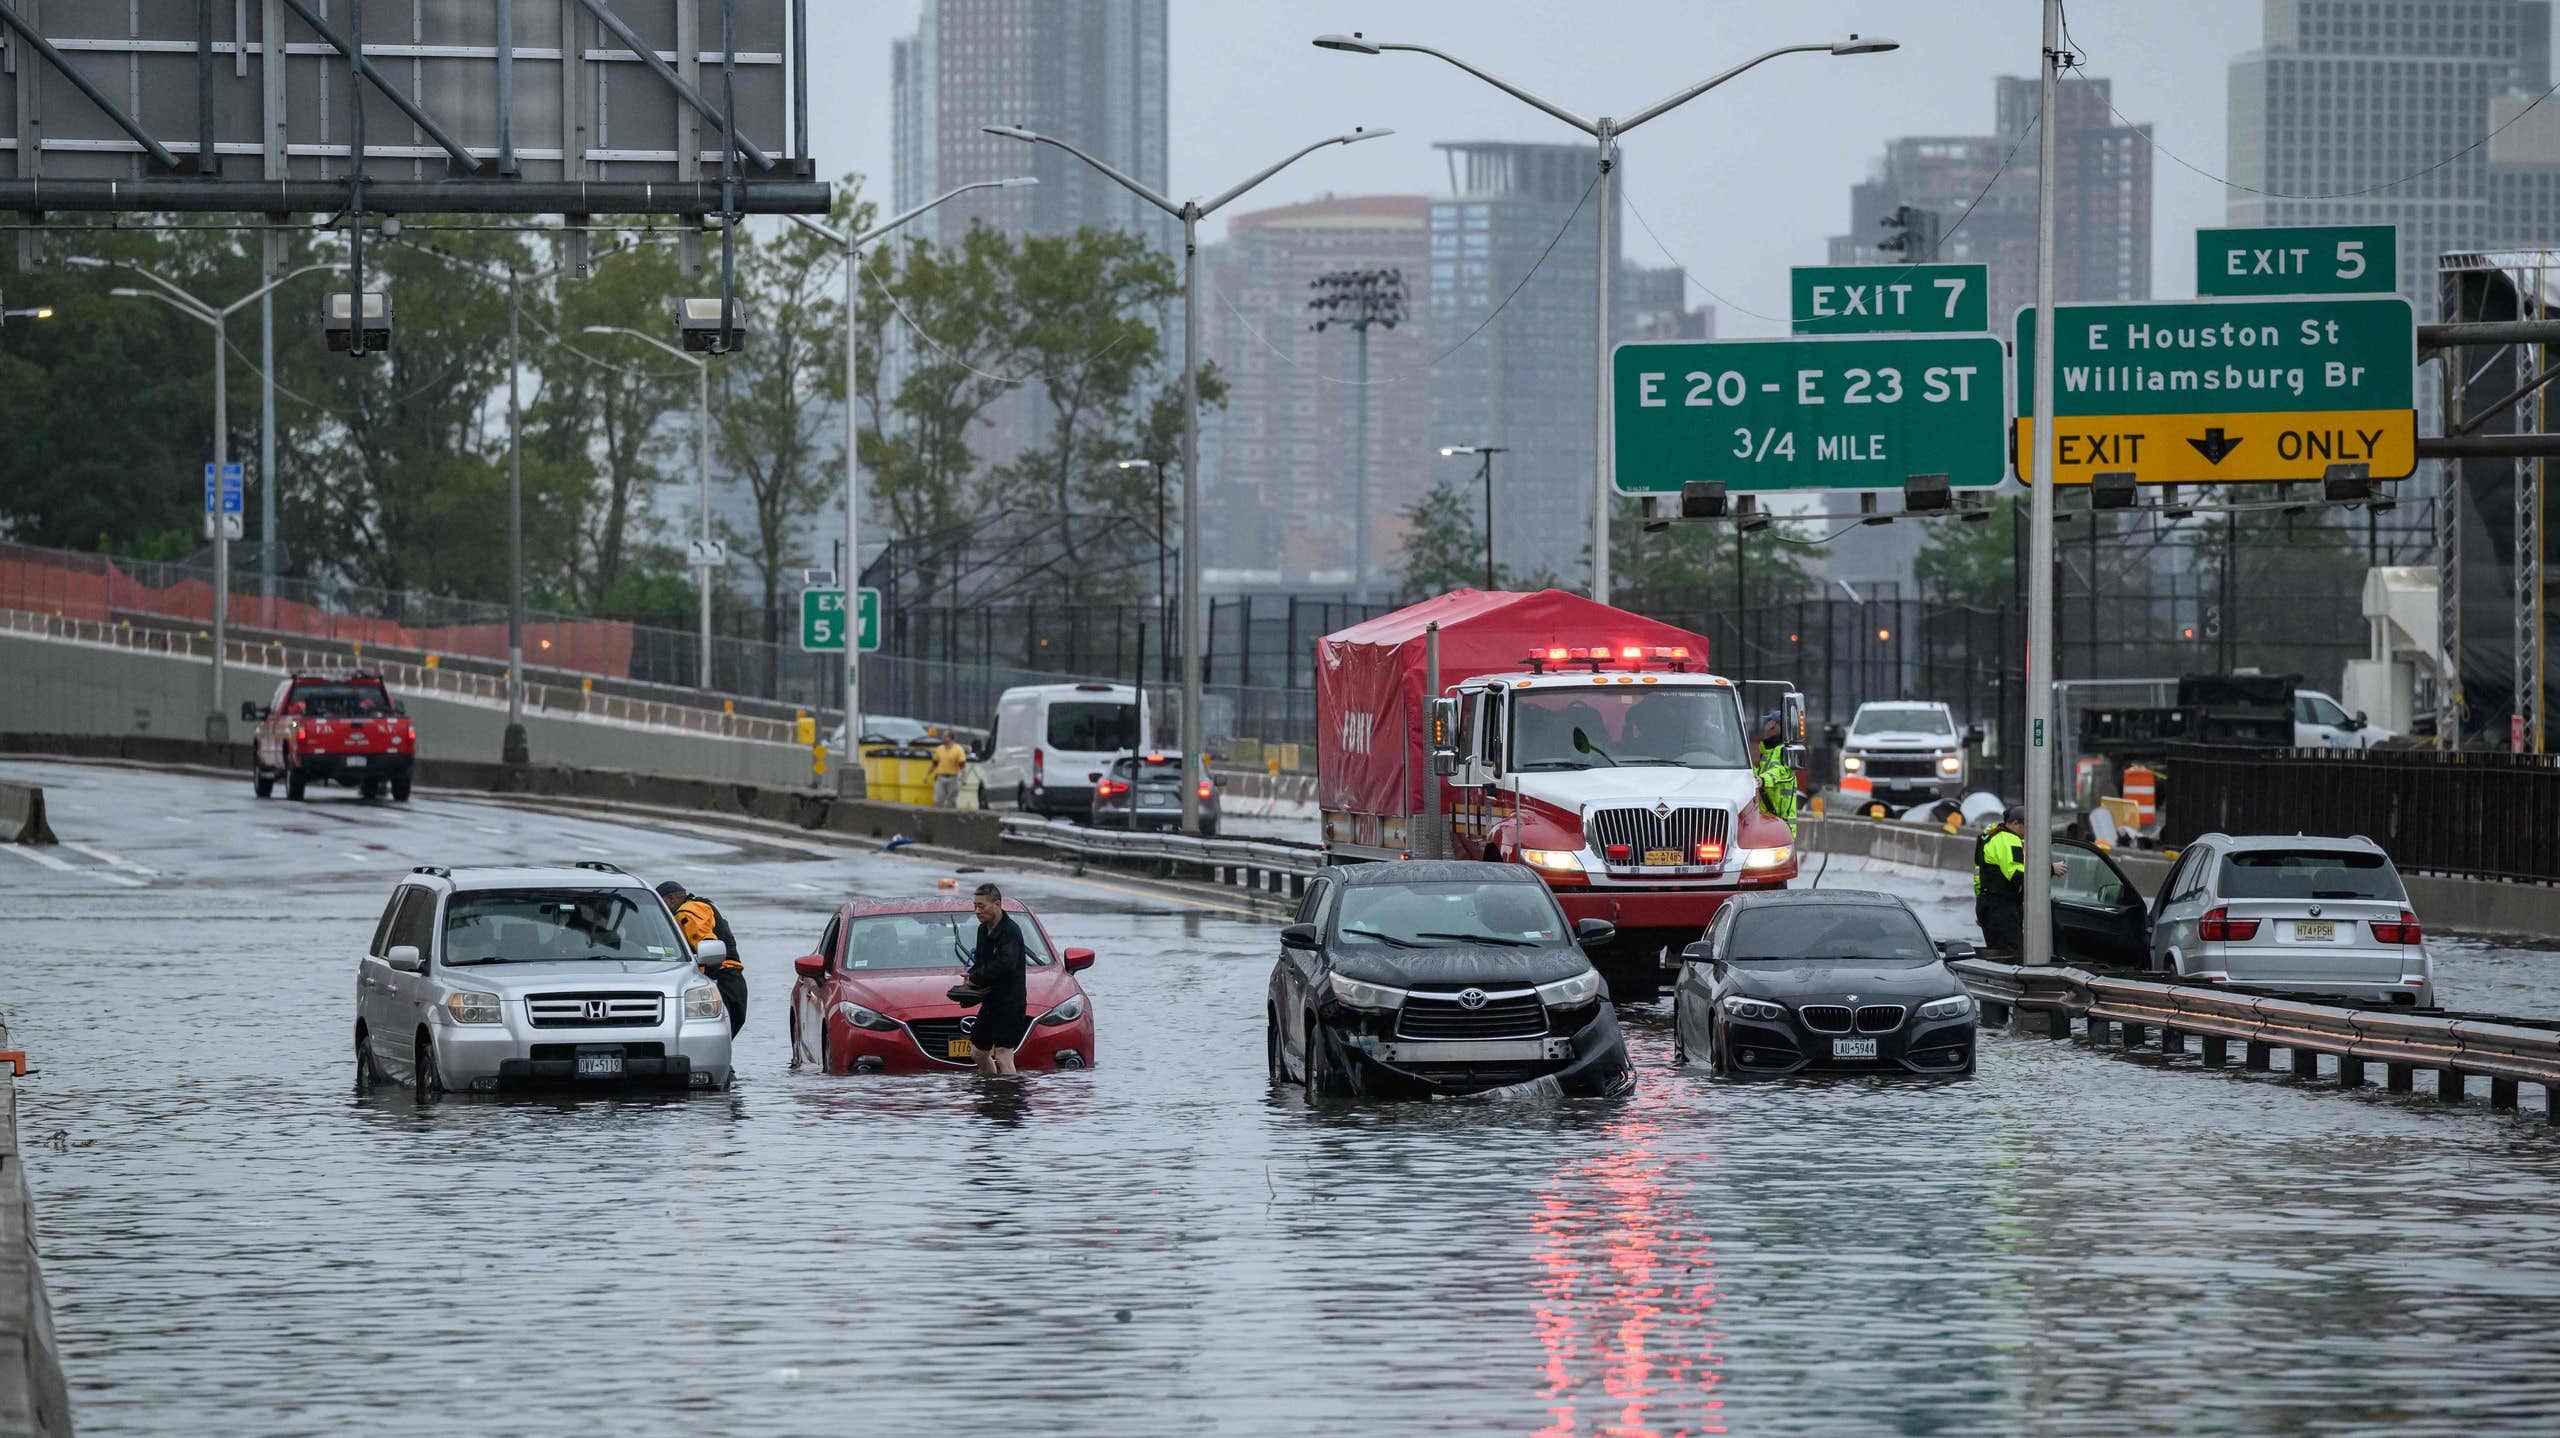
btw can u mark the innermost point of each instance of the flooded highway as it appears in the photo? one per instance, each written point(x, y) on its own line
point(238, 1241)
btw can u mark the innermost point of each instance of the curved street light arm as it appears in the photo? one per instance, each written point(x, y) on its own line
point(1135, 187)
point(1010, 182)
point(1694, 91)
point(201, 309)
point(1588, 127)
point(696, 361)
point(236, 305)
point(195, 312)
point(1353, 138)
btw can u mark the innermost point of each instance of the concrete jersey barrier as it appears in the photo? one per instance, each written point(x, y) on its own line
point(34, 1400)
point(22, 815)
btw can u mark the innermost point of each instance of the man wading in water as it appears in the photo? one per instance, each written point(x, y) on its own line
point(997, 967)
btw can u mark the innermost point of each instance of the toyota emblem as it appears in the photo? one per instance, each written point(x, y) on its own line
point(595, 1011)
point(1471, 998)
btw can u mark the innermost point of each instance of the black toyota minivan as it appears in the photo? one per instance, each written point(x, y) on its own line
point(1439, 977)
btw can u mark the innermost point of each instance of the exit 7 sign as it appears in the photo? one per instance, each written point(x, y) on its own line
point(1891, 299)
point(822, 621)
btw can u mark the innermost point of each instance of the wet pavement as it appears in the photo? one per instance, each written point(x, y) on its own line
point(2072, 1242)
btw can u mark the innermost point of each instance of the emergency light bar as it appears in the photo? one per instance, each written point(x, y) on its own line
point(1674, 657)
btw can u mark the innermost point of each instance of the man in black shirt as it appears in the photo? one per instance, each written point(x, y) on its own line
point(997, 966)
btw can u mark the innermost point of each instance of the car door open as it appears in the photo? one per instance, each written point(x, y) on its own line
point(2098, 913)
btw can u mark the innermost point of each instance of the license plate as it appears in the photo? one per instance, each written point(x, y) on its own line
point(2315, 929)
point(958, 1049)
point(599, 1065)
point(1157, 801)
point(355, 761)
point(1853, 1048)
point(1663, 856)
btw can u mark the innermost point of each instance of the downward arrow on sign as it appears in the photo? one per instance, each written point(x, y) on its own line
point(2213, 446)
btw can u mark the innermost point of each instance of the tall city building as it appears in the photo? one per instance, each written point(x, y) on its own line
point(2102, 199)
point(1282, 503)
point(1091, 72)
point(1525, 382)
point(2381, 104)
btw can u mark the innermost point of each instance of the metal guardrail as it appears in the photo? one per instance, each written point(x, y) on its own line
point(458, 683)
point(2131, 1013)
point(1265, 865)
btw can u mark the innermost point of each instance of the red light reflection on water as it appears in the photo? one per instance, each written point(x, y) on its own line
point(1626, 1307)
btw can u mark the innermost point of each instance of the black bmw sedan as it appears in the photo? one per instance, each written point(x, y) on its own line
point(1792, 980)
point(1439, 977)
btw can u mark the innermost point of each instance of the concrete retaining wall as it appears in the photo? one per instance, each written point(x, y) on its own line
point(2486, 906)
point(34, 1402)
point(61, 687)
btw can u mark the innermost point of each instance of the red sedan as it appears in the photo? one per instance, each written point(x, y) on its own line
point(873, 998)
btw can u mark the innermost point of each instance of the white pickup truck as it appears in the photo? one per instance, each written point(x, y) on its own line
point(1909, 751)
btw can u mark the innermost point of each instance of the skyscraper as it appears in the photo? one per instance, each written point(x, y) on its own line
point(2102, 199)
point(1091, 72)
point(2379, 106)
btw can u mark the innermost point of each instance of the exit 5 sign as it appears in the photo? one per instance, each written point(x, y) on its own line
point(2299, 260)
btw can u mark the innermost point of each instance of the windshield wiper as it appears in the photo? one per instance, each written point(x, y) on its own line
point(1506, 942)
point(1546, 764)
point(1390, 938)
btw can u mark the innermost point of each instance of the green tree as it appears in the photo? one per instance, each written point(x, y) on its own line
point(1443, 544)
point(1691, 566)
point(1971, 561)
point(956, 307)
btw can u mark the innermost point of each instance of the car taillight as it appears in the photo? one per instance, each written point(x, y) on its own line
point(2219, 927)
point(1038, 761)
point(2405, 931)
point(1110, 789)
point(1710, 852)
point(1205, 787)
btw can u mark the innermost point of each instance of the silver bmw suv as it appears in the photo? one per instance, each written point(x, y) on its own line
point(479, 979)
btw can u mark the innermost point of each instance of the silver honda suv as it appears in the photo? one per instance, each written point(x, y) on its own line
point(479, 979)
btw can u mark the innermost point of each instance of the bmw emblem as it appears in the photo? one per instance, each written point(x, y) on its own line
point(2315, 911)
point(1471, 998)
point(1853, 998)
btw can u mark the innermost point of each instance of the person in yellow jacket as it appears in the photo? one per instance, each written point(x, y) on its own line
point(700, 922)
point(950, 757)
point(1777, 777)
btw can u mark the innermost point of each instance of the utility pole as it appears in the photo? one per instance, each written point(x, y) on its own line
point(2039, 795)
point(1359, 299)
point(1484, 473)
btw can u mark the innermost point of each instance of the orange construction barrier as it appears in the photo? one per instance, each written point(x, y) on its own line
point(2143, 788)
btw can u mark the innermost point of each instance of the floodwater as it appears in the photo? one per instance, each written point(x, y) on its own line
point(2071, 1242)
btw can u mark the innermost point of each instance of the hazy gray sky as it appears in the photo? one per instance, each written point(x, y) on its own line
point(1739, 184)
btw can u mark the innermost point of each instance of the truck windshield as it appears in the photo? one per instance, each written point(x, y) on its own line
point(929, 941)
point(1430, 916)
point(1612, 728)
point(1902, 719)
point(533, 926)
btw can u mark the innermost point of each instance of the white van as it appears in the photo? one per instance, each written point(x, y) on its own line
point(1054, 742)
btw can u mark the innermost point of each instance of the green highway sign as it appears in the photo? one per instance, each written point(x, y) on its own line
point(1853, 412)
point(2299, 260)
point(822, 620)
point(1891, 299)
point(2221, 391)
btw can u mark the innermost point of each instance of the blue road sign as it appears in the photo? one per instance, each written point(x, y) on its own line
point(225, 497)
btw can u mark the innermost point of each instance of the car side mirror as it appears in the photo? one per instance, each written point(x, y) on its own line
point(1954, 949)
point(1298, 936)
point(405, 958)
point(811, 966)
point(1218, 779)
point(1079, 960)
point(2360, 719)
point(711, 950)
point(1834, 735)
point(1588, 932)
point(1696, 953)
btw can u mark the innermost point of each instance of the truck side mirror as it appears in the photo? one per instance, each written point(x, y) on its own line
point(1973, 734)
point(1444, 763)
point(1834, 735)
point(1795, 755)
point(1440, 719)
point(250, 711)
point(1791, 717)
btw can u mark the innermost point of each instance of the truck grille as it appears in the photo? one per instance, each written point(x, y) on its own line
point(934, 1036)
point(1879, 1018)
point(1825, 1018)
point(1683, 829)
point(1902, 766)
point(1517, 1015)
point(594, 1011)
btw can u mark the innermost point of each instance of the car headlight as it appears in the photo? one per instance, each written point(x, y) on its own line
point(1852, 764)
point(468, 1007)
point(702, 1001)
point(1064, 1014)
point(1950, 764)
point(1571, 993)
point(1742, 1008)
point(1767, 858)
point(1564, 859)
point(862, 1018)
point(1365, 996)
point(1953, 1007)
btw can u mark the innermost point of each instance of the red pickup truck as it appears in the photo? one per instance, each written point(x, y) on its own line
point(333, 728)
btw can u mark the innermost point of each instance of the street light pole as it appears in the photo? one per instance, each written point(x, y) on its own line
point(1158, 469)
point(850, 780)
point(1605, 131)
point(1190, 213)
point(1485, 473)
point(217, 724)
point(512, 747)
point(2038, 946)
point(701, 475)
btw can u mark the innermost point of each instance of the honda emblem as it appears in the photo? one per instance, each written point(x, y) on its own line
point(595, 1011)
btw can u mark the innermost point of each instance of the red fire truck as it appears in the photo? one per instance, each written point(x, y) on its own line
point(1583, 741)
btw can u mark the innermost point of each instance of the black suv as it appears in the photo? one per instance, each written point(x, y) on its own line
point(1438, 976)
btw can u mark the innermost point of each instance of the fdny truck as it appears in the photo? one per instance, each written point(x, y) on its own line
point(1584, 742)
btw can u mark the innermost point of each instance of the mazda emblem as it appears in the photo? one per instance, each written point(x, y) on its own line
point(595, 1011)
point(1471, 999)
point(968, 1022)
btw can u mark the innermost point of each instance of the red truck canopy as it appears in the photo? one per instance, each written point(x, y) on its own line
point(1369, 679)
